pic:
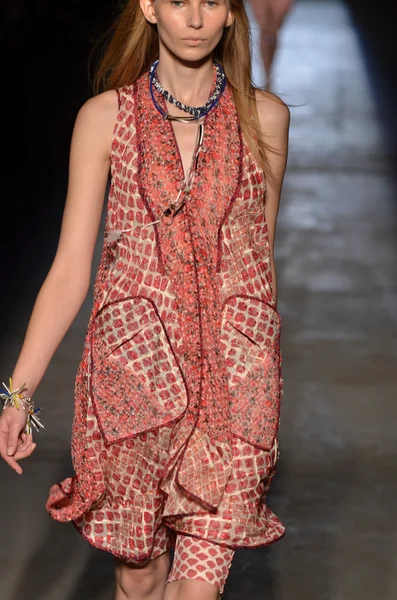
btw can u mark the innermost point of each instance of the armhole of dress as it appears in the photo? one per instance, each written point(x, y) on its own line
point(110, 195)
point(122, 97)
point(118, 99)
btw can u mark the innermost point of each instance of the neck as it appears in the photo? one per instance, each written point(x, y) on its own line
point(190, 83)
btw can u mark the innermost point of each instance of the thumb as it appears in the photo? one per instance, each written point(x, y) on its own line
point(13, 435)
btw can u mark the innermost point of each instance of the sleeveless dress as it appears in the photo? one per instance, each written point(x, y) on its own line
point(177, 395)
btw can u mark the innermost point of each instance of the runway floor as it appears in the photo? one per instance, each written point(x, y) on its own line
point(336, 487)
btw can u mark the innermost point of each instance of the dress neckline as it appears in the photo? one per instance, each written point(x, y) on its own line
point(208, 119)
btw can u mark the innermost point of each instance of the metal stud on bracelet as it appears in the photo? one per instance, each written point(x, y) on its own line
point(14, 398)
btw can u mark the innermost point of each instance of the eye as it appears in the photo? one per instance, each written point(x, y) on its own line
point(176, 3)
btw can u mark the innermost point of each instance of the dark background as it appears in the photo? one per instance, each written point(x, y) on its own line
point(48, 46)
point(47, 78)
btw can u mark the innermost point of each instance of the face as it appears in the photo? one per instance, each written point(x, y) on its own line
point(189, 29)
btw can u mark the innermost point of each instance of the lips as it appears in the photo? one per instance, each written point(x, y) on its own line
point(193, 42)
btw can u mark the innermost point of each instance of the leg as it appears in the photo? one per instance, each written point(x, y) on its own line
point(280, 9)
point(199, 570)
point(270, 15)
point(187, 589)
point(142, 582)
point(263, 11)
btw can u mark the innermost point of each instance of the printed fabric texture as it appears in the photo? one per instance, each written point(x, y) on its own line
point(177, 396)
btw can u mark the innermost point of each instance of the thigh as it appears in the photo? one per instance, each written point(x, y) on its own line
point(270, 14)
point(200, 560)
point(262, 10)
point(279, 10)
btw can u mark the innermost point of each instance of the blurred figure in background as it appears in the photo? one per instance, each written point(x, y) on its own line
point(270, 16)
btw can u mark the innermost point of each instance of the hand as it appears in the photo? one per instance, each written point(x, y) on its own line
point(14, 443)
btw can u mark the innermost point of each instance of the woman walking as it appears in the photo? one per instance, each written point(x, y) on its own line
point(270, 16)
point(177, 396)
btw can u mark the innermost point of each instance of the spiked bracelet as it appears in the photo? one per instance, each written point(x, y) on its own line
point(14, 398)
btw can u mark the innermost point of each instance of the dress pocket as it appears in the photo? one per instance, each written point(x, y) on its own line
point(135, 381)
point(251, 344)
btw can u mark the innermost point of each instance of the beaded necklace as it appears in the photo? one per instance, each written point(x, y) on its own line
point(195, 113)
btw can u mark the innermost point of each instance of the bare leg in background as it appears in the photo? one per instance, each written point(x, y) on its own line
point(270, 15)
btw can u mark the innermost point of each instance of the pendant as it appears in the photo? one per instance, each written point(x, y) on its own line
point(169, 117)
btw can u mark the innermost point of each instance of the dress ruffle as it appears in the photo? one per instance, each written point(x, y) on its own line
point(127, 497)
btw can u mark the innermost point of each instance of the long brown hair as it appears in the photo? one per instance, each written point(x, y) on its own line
point(134, 45)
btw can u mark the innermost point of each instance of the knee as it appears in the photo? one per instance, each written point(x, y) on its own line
point(188, 589)
point(142, 582)
point(139, 582)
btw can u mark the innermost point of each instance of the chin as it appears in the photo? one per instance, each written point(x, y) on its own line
point(193, 54)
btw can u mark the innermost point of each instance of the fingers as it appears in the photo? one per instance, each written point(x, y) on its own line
point(24, 446)
point(20, 454)
point(13, 435)
point(12, 462)
point(24, 441)
point(4, 439)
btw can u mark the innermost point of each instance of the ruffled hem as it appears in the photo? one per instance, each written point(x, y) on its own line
point(65, 502)
point(268, 530)
point(102, 532)
point(137, 518)
point(130, 498)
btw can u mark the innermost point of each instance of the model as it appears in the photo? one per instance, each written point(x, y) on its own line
point(177, 396)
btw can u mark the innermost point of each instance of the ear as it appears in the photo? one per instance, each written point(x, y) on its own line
point(230, 19)
point(147, 7)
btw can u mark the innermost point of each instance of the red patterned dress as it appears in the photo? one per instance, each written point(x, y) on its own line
point(177, 396)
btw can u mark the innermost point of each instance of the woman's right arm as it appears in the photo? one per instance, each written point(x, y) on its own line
point(67, 283)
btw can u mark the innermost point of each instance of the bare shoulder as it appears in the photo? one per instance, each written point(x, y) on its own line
point(100, 110)
point(274, 120)
point(274, 114)
point(94, 125)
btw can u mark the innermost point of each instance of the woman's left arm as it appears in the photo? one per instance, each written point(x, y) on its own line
point(274, 119)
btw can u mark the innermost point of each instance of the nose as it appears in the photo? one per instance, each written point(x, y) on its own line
point(195, 16)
